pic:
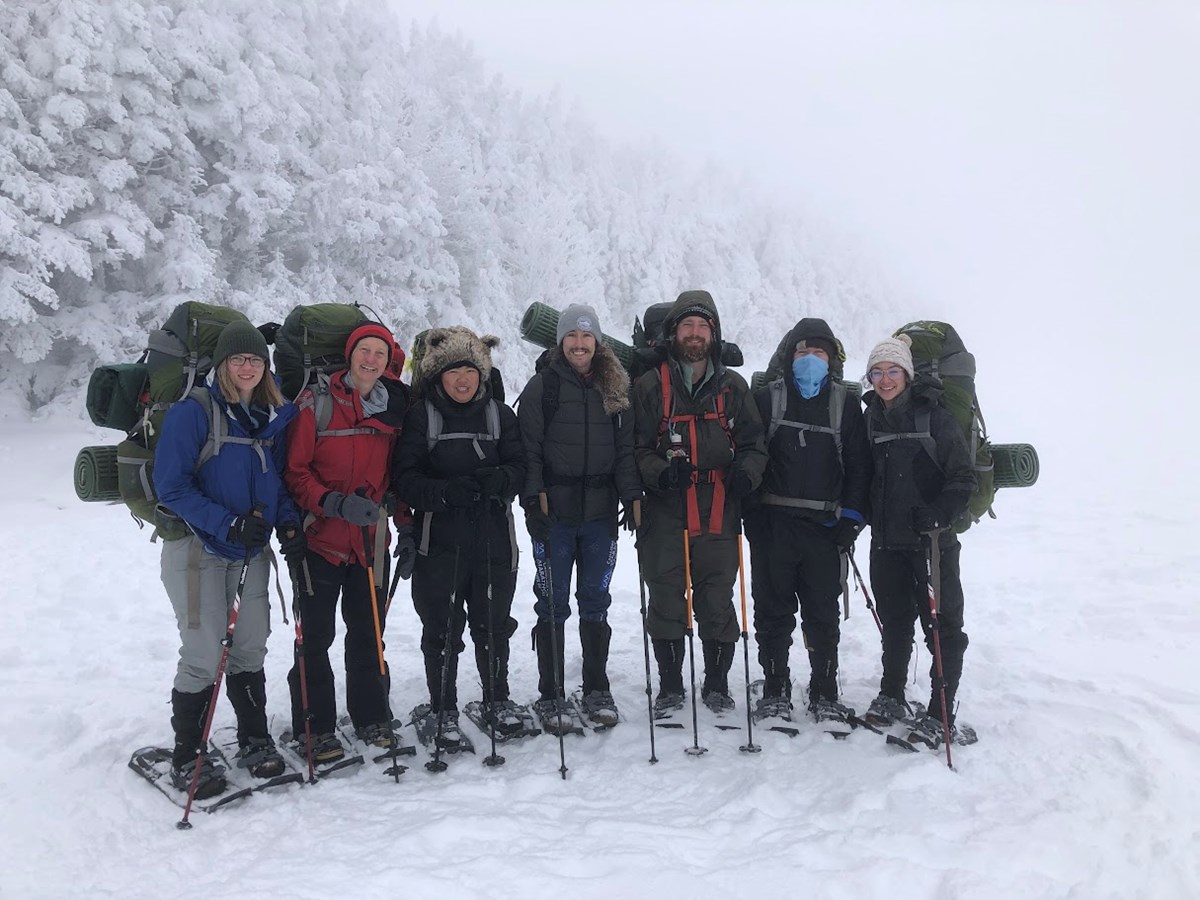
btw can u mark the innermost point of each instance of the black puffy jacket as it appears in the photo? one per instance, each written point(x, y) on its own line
point(907, 474)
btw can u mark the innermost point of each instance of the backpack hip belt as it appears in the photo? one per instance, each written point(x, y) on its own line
point(800, 503)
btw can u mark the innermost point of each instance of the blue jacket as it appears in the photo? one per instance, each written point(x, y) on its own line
point(229, 484)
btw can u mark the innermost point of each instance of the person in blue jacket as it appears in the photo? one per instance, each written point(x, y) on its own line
point(218, 466)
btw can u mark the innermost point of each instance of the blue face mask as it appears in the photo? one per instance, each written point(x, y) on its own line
point(810, 373)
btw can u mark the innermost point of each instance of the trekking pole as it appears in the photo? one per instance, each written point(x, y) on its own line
point(436, 764)
point(933, 563)
point(296, 573)
point(396, 769)
point(695, 749)
point(553, 628)
point(749, 746)
point(646, 651)
point(494, 759)
point(867, 594)
point(226, 646)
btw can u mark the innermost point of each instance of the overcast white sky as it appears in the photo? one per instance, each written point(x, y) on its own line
point(1006, 162)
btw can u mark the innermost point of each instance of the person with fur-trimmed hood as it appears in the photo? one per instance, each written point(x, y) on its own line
point(339, 468)
point(698, 444)
point(577, 426)
point(923, 478)
point(811, 506)
point(459, 464)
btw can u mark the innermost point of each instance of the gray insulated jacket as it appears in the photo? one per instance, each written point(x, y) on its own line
point(579, 448)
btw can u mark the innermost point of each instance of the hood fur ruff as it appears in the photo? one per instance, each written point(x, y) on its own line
point(611, 379)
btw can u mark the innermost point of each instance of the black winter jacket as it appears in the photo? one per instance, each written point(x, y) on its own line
point(906, 475)
point(583, 458)
point(420, 474)
point(805, 464)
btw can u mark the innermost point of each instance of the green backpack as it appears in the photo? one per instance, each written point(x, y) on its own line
point(312, 342)
point(939, 352)
point(135, 397)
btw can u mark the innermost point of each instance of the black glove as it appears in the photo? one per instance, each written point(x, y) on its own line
point(628, 520)
point(677, 475)
point(354, 508)
point(251, 532)
point(493, 481)
point(924, 518)
point(738, 486)
point(461, 492)
point(537, 523)
point(845, 532)
point(405, 552)
point(292, 542)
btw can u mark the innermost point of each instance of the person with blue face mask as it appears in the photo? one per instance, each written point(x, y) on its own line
point(809, 512)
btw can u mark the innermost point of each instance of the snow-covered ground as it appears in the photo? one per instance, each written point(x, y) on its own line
point(1080, 680)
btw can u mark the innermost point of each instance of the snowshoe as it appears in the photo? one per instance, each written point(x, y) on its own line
point(557, 716)
point(328, 754)
point(886, 710)
point(451, 739)
point(720, 702)
point(927, 730)
point(511, 720)
point(667, 703)
point(599, 708)
point(211, 781)
point(260, 758)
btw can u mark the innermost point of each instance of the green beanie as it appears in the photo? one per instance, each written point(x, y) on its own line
point(240, 337)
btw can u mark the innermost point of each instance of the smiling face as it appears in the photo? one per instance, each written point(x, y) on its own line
point(889, 381)
point(245, 371)
point(368, 361)
point(693, 337)
point(461, 384)
point(579, 348)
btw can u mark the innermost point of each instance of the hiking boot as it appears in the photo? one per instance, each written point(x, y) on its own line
point(718, 701)
point(504, 715)
point(928, 730)
point(212, 776)
point(379, 735)
point(600, 708)
point(885, 709)
point(260, 758)
point(553, 714)
point(451, 732)
point(773, 707)
point(326, 748)
point(829, 711)
point(667, 702)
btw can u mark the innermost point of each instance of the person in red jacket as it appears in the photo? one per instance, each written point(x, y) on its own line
point(338, 465)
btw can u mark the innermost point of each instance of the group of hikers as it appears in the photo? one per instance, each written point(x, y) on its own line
point(683, 456)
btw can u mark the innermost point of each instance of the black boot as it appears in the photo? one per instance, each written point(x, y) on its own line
point(669, 655)
point(718, 659)
point(598, 703)
point(550, 663)
point(822, 683)
point(188, 712)
point(433, 680)
point(594, 638)
point(247, 691)
point(499, 659)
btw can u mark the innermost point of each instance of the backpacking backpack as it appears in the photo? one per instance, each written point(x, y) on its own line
point(312, 342)
point(939, 352)
point(650, 343)
point(135, 397)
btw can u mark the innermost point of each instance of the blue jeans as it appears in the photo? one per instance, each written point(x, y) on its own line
point(591, 547)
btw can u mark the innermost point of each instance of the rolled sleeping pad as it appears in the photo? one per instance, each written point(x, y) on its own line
point(1015, 465)
point(96, 475)
point(539, 326)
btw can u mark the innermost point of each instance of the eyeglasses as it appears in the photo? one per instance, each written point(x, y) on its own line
point(239, 360)
point(893, 373)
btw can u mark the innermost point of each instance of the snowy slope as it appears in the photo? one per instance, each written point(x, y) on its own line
point(1080, 679)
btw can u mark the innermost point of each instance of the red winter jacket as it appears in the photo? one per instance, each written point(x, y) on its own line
point(318, 464)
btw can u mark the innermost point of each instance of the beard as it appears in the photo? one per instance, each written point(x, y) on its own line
point(693, 350)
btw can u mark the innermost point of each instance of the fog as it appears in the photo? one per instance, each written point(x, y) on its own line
point(1026, 170)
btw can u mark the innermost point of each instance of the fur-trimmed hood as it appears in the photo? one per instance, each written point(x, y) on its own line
point(611, 379)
